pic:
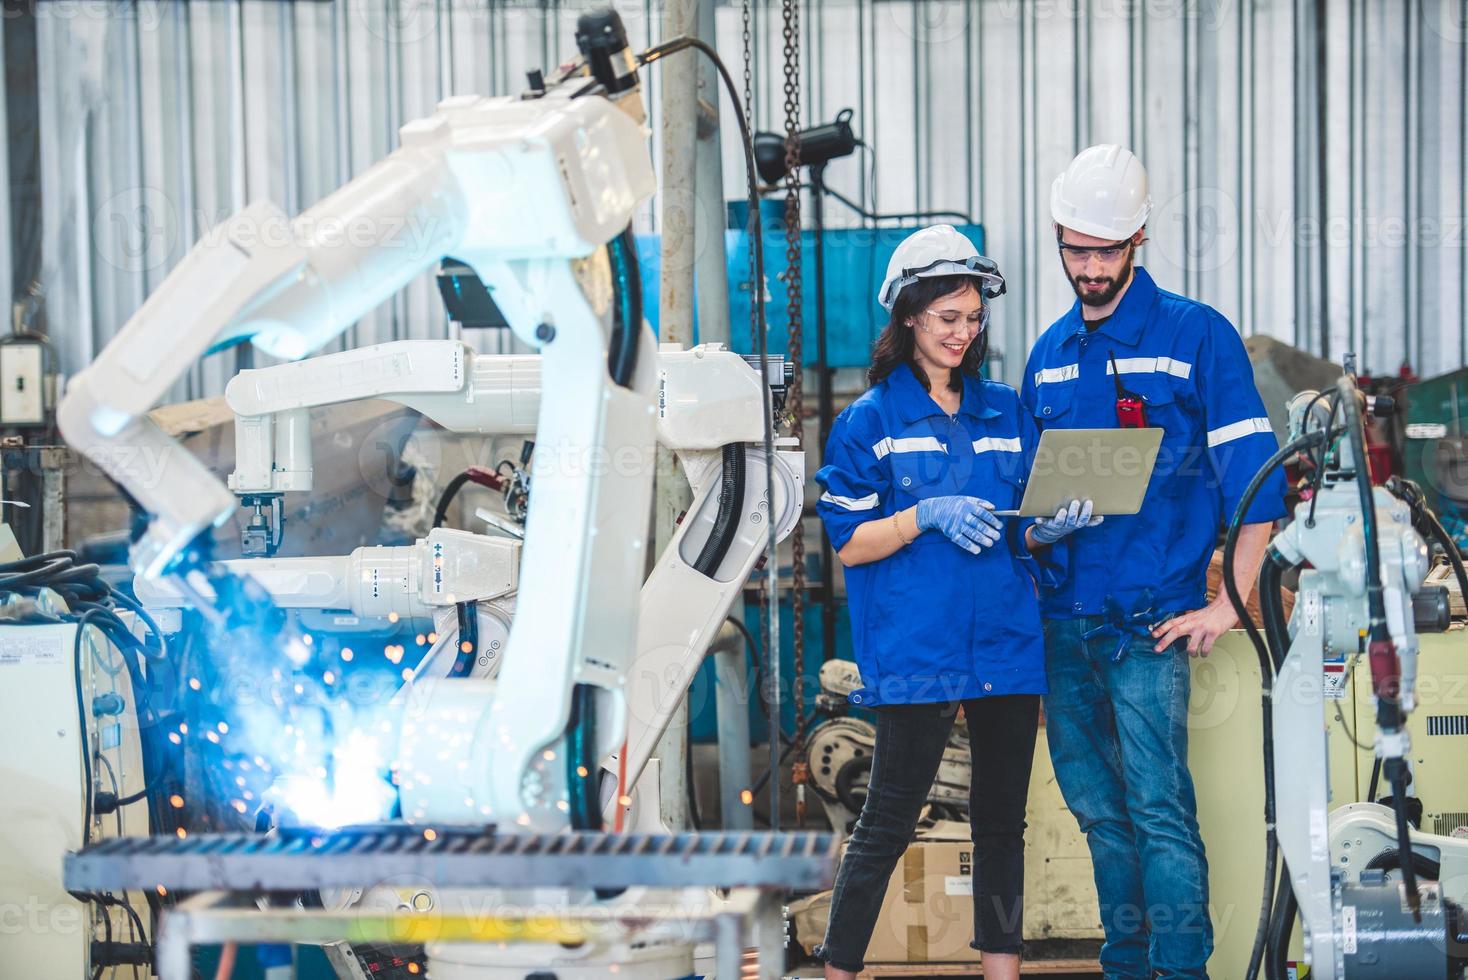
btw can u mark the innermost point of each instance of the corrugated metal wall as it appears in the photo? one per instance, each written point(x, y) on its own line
point(5, 248)
point(160, 118)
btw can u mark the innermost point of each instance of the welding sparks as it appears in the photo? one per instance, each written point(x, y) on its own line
point(351, 787)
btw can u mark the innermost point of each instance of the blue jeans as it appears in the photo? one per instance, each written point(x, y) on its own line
point(1119, 741)
point(909, 748)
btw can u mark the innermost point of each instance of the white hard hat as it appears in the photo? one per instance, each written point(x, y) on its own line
point(938, 250)
point(1103, 193)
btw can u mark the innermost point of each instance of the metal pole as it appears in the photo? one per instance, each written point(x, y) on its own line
point(825, 409)
point(174, 962)
point(679, 130)
point(731, 691)
point(21, 116)
point(675, 326)
point(710, 260)
point(729, 945)
point(672, 754)
point(769, 936)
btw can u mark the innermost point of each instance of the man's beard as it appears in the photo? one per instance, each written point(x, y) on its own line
point(1109, 293)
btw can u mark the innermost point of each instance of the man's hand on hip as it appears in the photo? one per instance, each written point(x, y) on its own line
point(1202, 627)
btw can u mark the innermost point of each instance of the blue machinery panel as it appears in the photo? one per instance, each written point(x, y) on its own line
point(856, 261)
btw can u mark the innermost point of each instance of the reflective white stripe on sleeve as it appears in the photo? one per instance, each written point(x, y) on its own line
point(1237, 430)
point(915, 444)
point(995, 444)
point(869, 502)
point(1066, 372)
point(1152, 365)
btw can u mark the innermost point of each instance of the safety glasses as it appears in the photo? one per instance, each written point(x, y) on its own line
point(949, 323)
point(1106, 253)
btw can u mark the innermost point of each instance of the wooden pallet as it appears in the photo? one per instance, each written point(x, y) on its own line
point(1029, 967)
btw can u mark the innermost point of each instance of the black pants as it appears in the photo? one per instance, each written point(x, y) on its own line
point(910, 742)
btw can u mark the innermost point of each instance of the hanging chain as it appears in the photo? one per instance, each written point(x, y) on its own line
point(752, 225)
point(799, 770)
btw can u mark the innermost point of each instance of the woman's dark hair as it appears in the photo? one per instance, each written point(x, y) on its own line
point(894, 346)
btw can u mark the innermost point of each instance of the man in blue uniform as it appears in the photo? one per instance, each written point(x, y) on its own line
point(1131, 606)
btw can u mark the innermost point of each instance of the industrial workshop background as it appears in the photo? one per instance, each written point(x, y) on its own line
point(1264, 139)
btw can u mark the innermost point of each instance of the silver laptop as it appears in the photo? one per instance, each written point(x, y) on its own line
point(1110, 467)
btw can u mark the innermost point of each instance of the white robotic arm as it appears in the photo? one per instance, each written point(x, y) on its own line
point(709, 409)
point(708, 397)
point(513, 187)
point(1355, 924)
point(446, 568)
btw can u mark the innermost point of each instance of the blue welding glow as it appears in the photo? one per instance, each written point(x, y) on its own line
point(297, 733)
point(348, 788)
point(297, 652)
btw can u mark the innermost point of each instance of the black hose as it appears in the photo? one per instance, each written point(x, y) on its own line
point(1396, 774)
point(690, 780)
point(1269, 582)
point(1450, 548)
point(582, 767)
point(731, 508)
point(1391, 860)
point(1388, 714)
point(49, 570)
point(143, 793)
point(1281, 927)
point(1231, 540)
point(148, 621)
point(1375, 777)
point(446, 499)
point(1388, 703)
point(1271, 607)
point(1266, 680)
point(627, 310)
point(757, 309)
point(33, 560)
point(82, 729)
point(1272, 611)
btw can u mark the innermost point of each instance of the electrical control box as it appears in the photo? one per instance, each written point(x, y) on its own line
point(22, 384)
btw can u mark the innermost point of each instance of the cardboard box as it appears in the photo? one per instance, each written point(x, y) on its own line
point(927, 915)
point(928, 912)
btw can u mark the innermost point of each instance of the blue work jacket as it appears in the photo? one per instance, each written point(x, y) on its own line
point(1190, 367)
point(933, 622)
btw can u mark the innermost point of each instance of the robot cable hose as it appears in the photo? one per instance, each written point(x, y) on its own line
point(1266, 675)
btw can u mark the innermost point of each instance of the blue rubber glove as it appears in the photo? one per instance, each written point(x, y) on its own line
point(966, 521)
point(1077, 515)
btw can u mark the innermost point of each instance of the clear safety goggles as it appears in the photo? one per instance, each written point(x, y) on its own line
point(949, 323)
point(1106, 253)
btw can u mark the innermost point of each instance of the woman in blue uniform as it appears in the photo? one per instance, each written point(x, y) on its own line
point(941, 590)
